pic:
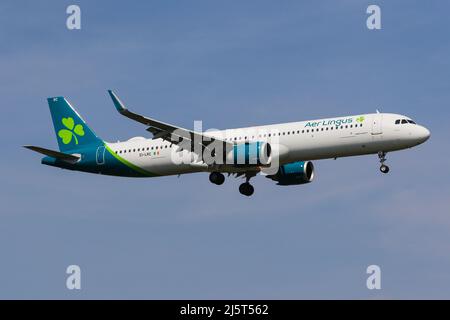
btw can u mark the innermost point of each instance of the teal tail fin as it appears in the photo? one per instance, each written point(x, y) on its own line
point(71, 130)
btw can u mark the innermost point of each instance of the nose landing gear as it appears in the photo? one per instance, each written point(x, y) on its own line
point(383, 168)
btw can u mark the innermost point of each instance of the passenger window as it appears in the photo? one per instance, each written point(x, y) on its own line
point(303, 131)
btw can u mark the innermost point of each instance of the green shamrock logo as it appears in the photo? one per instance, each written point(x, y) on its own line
point(360, 119)
point(71, 131)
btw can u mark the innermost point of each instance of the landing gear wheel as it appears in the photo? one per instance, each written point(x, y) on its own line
point(246, 189)
point(384, 168)
point(217, 178)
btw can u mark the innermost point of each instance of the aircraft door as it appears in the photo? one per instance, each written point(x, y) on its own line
point(100, 155)
point(377, 124)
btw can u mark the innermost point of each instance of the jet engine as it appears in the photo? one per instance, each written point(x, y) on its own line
point(294, 173)
point(250, 153)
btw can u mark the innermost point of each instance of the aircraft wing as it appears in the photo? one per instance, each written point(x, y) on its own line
point(164, 130)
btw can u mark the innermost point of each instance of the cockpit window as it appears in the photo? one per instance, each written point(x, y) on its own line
point(404, 121)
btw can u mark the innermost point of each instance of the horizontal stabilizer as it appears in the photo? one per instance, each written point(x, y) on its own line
point(54, 154)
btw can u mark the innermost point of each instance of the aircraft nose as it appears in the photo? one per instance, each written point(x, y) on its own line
point(423, 134)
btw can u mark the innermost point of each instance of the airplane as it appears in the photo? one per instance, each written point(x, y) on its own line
point(281, 152)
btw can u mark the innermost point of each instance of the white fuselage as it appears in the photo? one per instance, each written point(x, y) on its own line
point(295, 141)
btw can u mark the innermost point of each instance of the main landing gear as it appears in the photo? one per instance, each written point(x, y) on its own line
point(246, 188)
point(217, 178)
point(383, 168)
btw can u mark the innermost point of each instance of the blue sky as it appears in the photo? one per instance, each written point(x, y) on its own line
point(230, 64)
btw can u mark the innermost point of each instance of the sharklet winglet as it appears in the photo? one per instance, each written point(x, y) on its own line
point(117, 103)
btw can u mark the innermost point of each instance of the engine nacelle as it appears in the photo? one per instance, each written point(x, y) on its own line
point(250, 153)
point(294, 173)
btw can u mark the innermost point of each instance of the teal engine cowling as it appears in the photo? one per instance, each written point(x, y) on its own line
point(294, 173)
point(250, 153)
